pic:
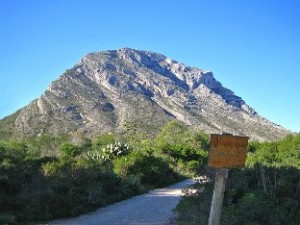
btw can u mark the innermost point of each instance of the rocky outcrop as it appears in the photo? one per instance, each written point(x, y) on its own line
point(130, 90)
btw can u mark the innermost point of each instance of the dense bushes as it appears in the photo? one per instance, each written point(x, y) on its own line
point(52, 177)
point(267, 191)
point(272, 198)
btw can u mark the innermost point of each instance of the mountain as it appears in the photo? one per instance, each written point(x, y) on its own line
point(130, 90)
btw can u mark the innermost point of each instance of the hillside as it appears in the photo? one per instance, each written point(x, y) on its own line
point(129, 90)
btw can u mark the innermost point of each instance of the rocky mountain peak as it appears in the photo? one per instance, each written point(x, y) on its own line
point(128, 90)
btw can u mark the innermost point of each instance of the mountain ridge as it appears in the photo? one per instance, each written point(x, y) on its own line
point(127, 89)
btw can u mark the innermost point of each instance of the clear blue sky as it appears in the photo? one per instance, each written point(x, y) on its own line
point(252, 47)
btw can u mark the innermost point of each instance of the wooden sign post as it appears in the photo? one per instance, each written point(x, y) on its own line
point(226, 151)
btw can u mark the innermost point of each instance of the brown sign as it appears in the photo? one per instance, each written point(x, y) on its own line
point(227, 151)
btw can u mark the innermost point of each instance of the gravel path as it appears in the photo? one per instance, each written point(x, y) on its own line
point(154, 207)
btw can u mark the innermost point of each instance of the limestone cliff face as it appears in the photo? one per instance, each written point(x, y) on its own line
point(131, 90)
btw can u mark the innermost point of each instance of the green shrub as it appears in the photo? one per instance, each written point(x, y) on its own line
point(47, 177)
point(8, 218)
point(69, 150)
point(267, 191)
point(152, 171)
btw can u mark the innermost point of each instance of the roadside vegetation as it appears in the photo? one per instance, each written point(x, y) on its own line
point(266, 191)
point(46, 178)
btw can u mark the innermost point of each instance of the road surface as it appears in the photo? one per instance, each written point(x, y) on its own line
point(154, 207)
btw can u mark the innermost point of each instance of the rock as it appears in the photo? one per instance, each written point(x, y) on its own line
point(112, 91)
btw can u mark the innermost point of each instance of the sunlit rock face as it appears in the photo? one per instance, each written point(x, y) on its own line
point(129, 90)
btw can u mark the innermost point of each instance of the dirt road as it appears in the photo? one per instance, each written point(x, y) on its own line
point(153, 208)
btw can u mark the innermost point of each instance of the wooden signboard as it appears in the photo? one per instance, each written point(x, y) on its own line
point(227, 151)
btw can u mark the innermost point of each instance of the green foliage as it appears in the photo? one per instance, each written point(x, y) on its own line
point(149, 171)
point(47, 177)
point(267, 191)
point(178, 142)
point(7, 218)
point(152, 171)
point(276, 154)
point(69, 150)
point(103, 140)
point(249, 201)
